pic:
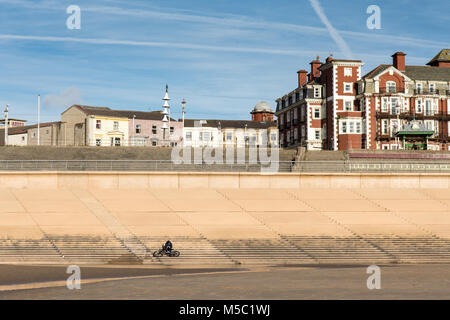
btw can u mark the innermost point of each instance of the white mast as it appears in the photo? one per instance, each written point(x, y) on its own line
point(183, 105)
point(38, 121)
point(166, 113)
point(6, 125)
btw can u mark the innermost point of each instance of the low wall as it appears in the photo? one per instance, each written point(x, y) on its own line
point(139, 180)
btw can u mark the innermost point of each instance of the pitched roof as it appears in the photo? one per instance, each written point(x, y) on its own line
point(107, 112)
point(377, 70)
point(415, 72)
point(442, 56)
point(427, 73)
point(24, 129)
point(236, 124)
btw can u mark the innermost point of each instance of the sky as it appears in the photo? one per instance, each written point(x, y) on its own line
point(222, 56)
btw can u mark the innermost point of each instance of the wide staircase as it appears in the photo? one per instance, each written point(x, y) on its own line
point(200, 251)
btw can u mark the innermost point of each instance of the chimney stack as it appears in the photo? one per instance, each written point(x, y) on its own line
point(315, 64)
point(398, 60)
point(302, 77)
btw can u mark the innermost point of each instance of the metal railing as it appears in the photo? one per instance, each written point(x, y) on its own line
point(343, 166)
point(137, 165)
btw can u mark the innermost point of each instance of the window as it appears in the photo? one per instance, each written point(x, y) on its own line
point(188, 136)
point(385, 147)
point(316, 92)
point(98, 142)
point(358, 127)
point(429, 124)
point(384, 105)
point(206, 136)
point(316, 113)
point(229, 136)
point(348, 72)
point(138, 128)
point(391, 87)
point(302, 114)
point(172, 129)
point(98, 124)
point(288, 117)
point(154, 143)
point(117, 142)
point(351, 127)
point(384, 127)
point(344, 127)
point(154, 129)
point(273, 137)
point(395, 106)
point(428, 107)
point(432, 87)
point(348, 105)
point(348, 87)
point(303, 131)
point(317, 134)
point(116, 125)
point(419, 106)
point(419, 88)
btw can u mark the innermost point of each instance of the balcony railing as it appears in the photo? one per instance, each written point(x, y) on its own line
point(391, 90)
point(424, 92)
point(411, 115)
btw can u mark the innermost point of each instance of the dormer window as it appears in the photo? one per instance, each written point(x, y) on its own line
point(432, 87)
point(391, 86)
point(316, 92)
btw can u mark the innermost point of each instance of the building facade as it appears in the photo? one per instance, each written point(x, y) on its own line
point(238, 133)
point(102, 126)
point(336, 108)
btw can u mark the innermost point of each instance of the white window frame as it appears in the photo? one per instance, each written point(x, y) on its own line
point(314, 112)
point(351, 105)
point(419, 87)
point(317, 134)
point(384, 127)
point(389, 86)
point(432, 87)
point(419, 106)
point(350, 85)
point(384, 104)
point(348, 72)
point(316, 92)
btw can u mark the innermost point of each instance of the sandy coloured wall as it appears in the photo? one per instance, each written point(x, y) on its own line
point(182, 180)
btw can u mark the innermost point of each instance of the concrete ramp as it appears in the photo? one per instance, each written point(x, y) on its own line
point(261, 220)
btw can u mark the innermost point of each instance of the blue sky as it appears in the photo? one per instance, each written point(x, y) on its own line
point(222, 56)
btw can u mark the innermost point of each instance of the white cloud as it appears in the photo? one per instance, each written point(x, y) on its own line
point(65, 99)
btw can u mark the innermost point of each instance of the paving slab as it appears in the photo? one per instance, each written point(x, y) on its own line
point(393, 194)
point(322, 194)
point(412, 205)
point(291, 217)
point(256, 194)
point(203, 205)
point(273, 205)
point(375, 218)
point(346, 205)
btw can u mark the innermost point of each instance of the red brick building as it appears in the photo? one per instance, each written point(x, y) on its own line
point(334, 107)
